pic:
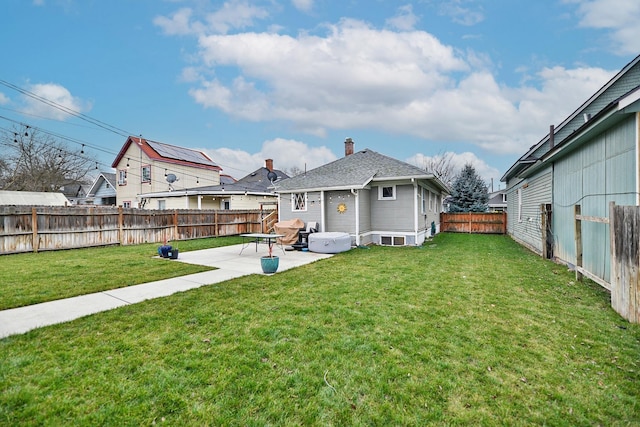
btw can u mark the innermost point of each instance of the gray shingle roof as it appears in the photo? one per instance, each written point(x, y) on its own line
point(353, 171)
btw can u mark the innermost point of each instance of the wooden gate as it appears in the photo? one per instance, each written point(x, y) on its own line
point(474, 222)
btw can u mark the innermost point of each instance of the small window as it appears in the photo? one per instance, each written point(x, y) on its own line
point(504, 197)
point(146, 173)
point(162, 204)
point(392, 240)
point(126, 204)
point(387, 192)
point(299, 201)
point(424, 201)
point(122, 177)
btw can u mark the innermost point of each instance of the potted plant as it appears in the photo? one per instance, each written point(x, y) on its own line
point(270, 262)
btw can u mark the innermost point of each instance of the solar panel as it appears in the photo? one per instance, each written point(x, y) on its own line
point(180, 153)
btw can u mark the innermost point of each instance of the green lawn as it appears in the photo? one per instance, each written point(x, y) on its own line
point(466, 330)
point(32, 278)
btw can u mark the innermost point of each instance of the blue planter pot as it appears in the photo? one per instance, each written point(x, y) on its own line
point(269, 264)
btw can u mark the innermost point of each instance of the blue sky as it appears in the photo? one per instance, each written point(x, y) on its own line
point(291, 79)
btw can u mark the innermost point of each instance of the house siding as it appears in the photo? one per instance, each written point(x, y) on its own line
point(393, 215)
point(313, 212)
point(341, 222)
point(364, 198)
point(600, 171)
point(524, 224)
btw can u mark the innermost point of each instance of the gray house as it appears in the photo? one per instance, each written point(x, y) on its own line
point(589, 159)
point(103, 190)
point(372, 197)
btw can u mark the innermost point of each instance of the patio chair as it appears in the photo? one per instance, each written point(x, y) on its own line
point(303, 236)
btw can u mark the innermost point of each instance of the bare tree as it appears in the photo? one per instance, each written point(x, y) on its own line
point(441, 166)
point(293, 171)
point(38, 162)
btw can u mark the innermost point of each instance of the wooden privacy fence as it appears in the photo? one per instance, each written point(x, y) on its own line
point(474, 222)
point(43, 228)
point(624, 236)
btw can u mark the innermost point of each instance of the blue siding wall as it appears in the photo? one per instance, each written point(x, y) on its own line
point(600, 171)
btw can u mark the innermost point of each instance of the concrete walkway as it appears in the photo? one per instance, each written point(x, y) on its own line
point(228, 260)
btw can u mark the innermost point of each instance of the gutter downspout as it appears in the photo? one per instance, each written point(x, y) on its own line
point(323, 216)
point(638, 159)
point(357, 213)
point(415, 210)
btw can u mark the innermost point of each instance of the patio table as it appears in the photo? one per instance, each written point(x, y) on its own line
point(248, 238)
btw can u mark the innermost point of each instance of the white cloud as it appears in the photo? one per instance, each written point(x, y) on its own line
point(58, 95)
point(4, 99)
point(620, 17)
point(285, 153)
point(458, 161)
point(461, 14)
point(403, 83)
point(233, 14)
point(405, 19)
point(303, 5)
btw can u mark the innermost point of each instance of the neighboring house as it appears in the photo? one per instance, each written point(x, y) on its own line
point(144, 167)
point(75, 193)
point(254, 191)
point(497, 201)
point(374, 198)
point(103, 190)
point(590, 159)
point(32, 198)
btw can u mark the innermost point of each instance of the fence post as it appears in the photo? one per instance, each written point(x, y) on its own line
point(175, 225)
point(120, 226)
point(215, 223)
point(470, 223)
point(578, 223)
point(34, 230)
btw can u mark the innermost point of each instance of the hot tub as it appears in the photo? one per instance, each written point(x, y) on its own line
point(330, 242)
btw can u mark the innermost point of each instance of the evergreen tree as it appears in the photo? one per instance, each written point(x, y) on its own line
point(469, 193)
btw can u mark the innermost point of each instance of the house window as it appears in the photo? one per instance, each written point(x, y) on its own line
point(146, 173)
point(126, 204)
point(122, 177)
point(392, 240)
point(299, 202)
point(504, 197)
point(424, 201)
point(387, 192)
point(162, 204)
point(431, 201)
point(519, 204)
point(226, 205)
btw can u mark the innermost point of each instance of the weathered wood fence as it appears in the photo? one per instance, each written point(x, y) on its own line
point(624, 236)
point(43, 228)
point(625, 261)
point(474, 222)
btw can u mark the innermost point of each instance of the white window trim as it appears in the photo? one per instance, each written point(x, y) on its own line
point(293, 202)
point(122, 177)
point(380, 196)
point(142, 177)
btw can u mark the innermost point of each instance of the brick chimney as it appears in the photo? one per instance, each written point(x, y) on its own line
point(268, 164)
point(348, 147)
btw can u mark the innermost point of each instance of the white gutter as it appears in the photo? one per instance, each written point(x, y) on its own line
point(357, 213)
point(637, 159)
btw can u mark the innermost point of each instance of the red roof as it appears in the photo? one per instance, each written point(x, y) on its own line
point(167, 153)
